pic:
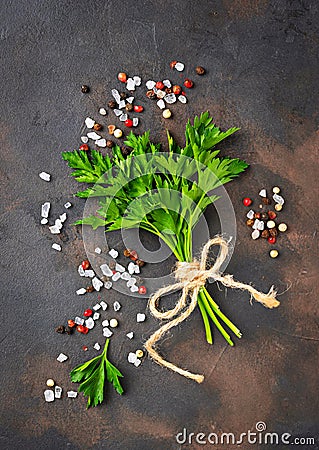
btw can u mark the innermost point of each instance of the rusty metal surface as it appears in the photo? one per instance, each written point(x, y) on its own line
point(262, 64)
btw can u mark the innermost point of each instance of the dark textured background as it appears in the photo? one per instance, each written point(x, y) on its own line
point(262, 75)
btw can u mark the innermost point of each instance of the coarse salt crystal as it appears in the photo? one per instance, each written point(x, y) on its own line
point(116, 276)
point(256, 223)
point(67, 205)
point(57, 247)
point(106, 270)
point(116, 95)
point(119, 268)
point(72, 394)
point(167, 83)
point(117, 112)
point(133, 288)
point(140, 317)
point(79, 321)
point(98, 250)
point(125, 276)
point(160, 103)
point(130, 99)
point(81, 271)
point(131, 357)
point(123, 117)
point(63, 217)
point(62, 357)
point(97, 284)
point(81, 291)
point(250, 214)
point(45, 176)
point(137, 362)
point(103, 305)
point(97, 346)
point(255, 234)
point(263, 193)
point(96, 307)
point(122, 104)
point(130, 84)
point(49, 395)
point(150, 84)
point(131, 268)
point(96, 316)
point(84, 139)
point(107, 332)
point(117, 306)
point(135, 121)
point(89, 122)
point(130, 282)
point(137, 80)
point(170, 98)
point(105, 323)
point(278, 199)
point(44, 221)
point(45, 208)
point(261, 225)
point(94, 136)
point(101, 143)
point(130, 335)
point(136, 269)
point(89, 323)
point(102, 111)
point(57, 392)
point(179, 66)
point(108, 284)
point(182, 99)
point(113, 253)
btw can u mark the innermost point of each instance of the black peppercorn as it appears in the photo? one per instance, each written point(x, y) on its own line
point(111, 104)
point(69, 330)
point(264, 216)
point(273, 232)
point(109, 143)
point(85, 89)
point(265, 234)
point(129, 107)
point(112, 265)
point(200, 70)
point(266, 201)
point(125, 151)
point(140, 263)
point(123, 95)
point(97, 127)
point(60, 329)
point(90, 289)
point(127, 253)
point(250, 222)
point(168, 90)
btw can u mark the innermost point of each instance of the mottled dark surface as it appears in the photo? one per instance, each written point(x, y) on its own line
point(262, 75)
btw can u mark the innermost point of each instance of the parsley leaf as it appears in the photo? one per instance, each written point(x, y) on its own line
point(92, 375)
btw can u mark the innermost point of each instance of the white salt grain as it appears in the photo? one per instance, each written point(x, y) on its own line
point(72, 394)
point(140, 317)
point(57, 247)
point(137, 362)
point(49, 395)
point(161, 104)
point(105, 323)
point(102, 111)
point(96, 307)
point(125, 276)
point(131, 357)
point(67, 205)
point(278, 199)
point(131, 268)
point(44, 221)
point(116, 95)
point(89, 122)
point(130, 335)
point(255, 234)
point(45, 176)
point(97, 346)
point(116, 276)
point(123, 117)
point(62, 357)
point(150, 84)
point(81, 271)
point(89, 323)
point(133, 288)
point(94, 136)
point(103, 305)
point(122, 104)
point(130, 84)
point(119, 268)
point(113, 253)
point(137, 80)
point(108, 284)
point(117, 112)
point(96, 316)
point(130, 282)
point(179, 66)
point(63, 217)
point(97, 284)
point(79, 320)
point(101, 143)
point(98, 250)
point(170, 98)
point(263, 193)
point(130, 99)
point(84, 139)
point(81, 291)
point(107, 332)
point(182, 99)
point(167, 83)
point(250, 214)
point(106, 270)
point(57, 392)
point(135, 121)
point(45, 208)
point(117, 306)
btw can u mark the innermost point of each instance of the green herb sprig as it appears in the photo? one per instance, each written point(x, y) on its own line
point(133, 194)
point(92, 375)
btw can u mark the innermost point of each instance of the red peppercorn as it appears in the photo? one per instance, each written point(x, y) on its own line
point(142, 290)
point(159, 85)
point(177, 89)
point(173, 64)
point(184, 93)
point(114, 272)
point(188, 83)
point(84, 348)
point(272, 215)
point(88, 313)
point(129, 123)
point(122, 77)
point(84, 147)
point(85, 264)
point(271, 240)
point(247, 201)
point(82, 329)
point(71, 323)
point(257, 216)
point(138, 108)
point(133, 255)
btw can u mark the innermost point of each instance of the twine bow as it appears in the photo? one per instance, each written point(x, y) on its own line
point(191, 278)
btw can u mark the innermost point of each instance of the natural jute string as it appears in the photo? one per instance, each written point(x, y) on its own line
point(191, 277)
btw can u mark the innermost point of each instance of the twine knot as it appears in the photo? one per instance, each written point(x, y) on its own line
point(191, 277)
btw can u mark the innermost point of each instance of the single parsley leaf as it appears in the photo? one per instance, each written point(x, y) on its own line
point(92, 375)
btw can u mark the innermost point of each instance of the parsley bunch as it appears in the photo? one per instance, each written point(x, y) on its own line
point(92, 375)
point(163, 193)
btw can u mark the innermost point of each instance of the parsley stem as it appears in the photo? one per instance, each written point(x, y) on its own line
point(208, 331)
